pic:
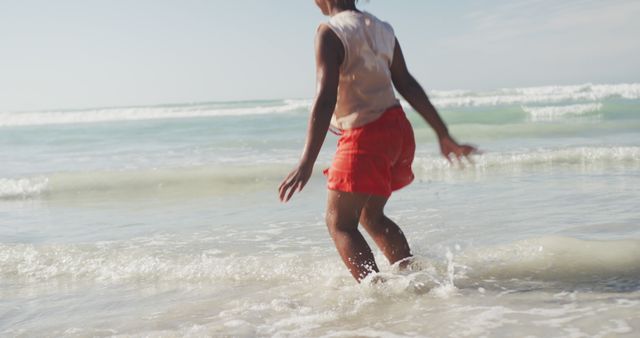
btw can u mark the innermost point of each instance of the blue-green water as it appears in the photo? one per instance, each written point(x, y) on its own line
point(164, 221)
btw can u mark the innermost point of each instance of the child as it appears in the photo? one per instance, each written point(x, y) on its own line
point(358, 62)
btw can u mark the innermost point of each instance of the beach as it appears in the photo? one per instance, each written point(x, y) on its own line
point(164, 220)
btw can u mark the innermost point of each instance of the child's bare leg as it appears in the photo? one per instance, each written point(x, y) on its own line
point(387, 235)
point(343, 213)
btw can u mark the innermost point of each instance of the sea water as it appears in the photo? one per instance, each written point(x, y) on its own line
point(164, 221)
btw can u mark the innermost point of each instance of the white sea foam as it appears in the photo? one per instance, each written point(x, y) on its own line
point(555, 259)
point(22, 187)
point(535, 95)
point(144, 260)
point(584, 158)
point(212, 180)
point(553, 113)
point(545, 95)
point(312, 294)
point(169, 181)
point(143, 113)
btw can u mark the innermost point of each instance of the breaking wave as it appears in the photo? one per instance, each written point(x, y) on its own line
point(208, 180)
point(577, 98)
point(536, 95)
point(552, 113)
point(148, 113)
point(546, 259)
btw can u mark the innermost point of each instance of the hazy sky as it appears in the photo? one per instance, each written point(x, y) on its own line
point(79, 53)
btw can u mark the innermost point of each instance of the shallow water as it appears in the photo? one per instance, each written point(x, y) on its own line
point(164, 221)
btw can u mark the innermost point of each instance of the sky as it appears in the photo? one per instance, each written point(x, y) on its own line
point(78, 54)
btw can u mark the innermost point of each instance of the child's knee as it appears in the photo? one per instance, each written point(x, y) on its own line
point(337, 222)
point(372, 220)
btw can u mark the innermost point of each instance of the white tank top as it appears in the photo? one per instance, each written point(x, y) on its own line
point(365, 89)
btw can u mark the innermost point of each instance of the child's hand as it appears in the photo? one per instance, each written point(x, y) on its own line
point(449, 146)
point(295, 181)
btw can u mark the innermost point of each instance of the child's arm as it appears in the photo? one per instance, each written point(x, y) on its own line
point(329, 57)
point(411, 90)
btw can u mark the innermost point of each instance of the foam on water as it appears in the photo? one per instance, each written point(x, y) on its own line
point(553, 113)
point(218, 179)
point(477, 291)
point(169, 259)
point(583, 158)
point(536, 95)
point(589, 94)
point(144, 113)
point(166, 181)
point(22, 187)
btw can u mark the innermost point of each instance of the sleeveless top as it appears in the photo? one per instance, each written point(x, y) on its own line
point(365, 88)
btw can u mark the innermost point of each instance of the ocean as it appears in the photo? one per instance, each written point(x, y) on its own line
point(164, 221)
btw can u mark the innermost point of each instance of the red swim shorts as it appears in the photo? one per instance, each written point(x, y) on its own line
point(375, 158)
